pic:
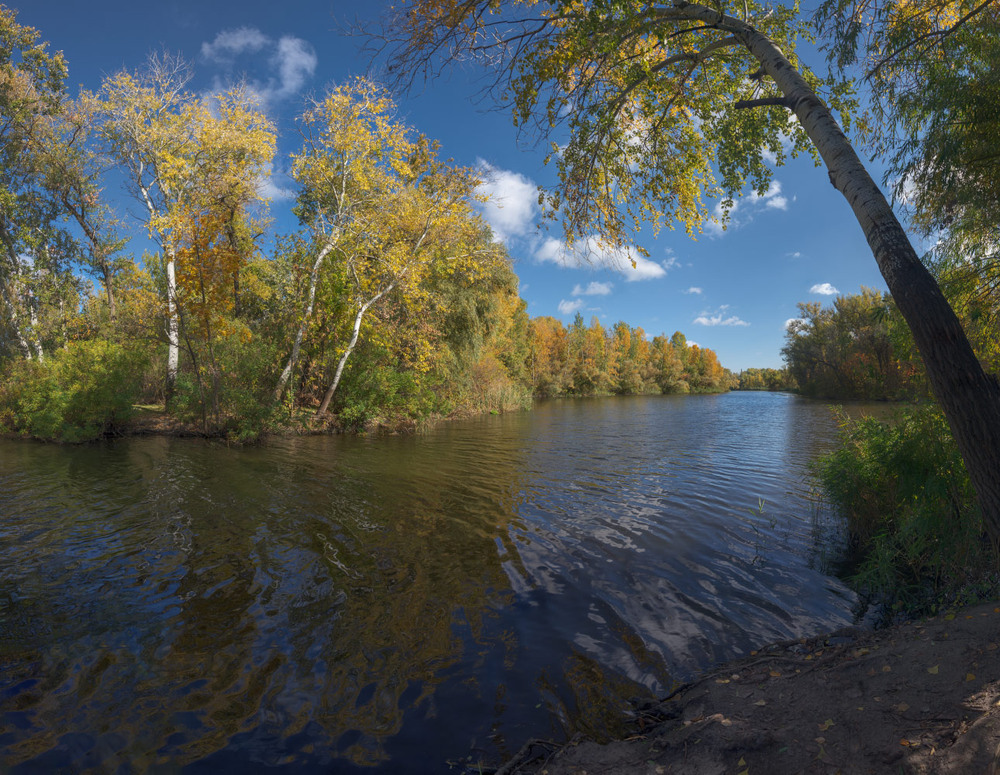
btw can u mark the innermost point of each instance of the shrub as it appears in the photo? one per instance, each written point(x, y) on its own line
point(83, 391)
point(910, 511)
point(231, 394)
point(378, 395)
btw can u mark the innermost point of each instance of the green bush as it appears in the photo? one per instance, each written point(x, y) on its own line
point(81, 392)
point(377, 395)
point(910, 512)
point(232, 393)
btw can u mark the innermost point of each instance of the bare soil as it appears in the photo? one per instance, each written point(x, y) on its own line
point(922, 697)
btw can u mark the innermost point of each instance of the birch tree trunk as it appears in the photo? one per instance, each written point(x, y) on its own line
point(173, 327)
point(293, 359)
point(969, 397)
point(325, 405)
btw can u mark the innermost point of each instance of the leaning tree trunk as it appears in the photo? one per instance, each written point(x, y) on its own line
point(362, 309)
point(293, 358)
point(970, 397)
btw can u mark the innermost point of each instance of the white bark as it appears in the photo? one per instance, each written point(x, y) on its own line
point(173, 325)
point(307, 314)
point(323, 407)
point(33, 308)
point(173, 316)
point(21, 339)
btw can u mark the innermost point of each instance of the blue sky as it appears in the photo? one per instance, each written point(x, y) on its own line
point(730, 291)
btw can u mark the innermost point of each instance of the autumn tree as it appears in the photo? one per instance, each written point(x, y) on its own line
point(196, 170)
point(33, 248)
point(666, 366)
point(650, 99)
point(626, 347)
point(353, 151)
point(548, 356)
point(482, 342)
point(377, 198)
point(851, 349)
point(931, 68)
point(71, 168)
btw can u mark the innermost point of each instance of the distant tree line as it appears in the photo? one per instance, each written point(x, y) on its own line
point(859, 347)
point(765, 379)
point(594, 360)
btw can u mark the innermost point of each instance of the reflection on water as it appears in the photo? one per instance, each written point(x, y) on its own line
point(393, 604)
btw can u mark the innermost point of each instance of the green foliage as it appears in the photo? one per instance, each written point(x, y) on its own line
point(858, 348)
point(934, 95)
point(82, 392)
point(381, 395)
point(910, 511)
point(765, 379)
point(230, 394)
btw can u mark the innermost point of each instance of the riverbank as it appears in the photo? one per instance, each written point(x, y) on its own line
point(921, 697)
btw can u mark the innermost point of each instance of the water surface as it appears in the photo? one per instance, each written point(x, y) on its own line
point(345, 604)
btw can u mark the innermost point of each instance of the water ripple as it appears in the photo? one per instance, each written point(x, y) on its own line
point(373, 605)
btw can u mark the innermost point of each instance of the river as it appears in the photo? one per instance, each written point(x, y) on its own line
point(353, 604)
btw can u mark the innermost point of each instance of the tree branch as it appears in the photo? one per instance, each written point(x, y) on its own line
point(940, 34)
point(783, 102)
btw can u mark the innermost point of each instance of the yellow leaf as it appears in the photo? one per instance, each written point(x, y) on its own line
point(775, 674)
point(970, 677)
point(826, 725)
point(933, 670)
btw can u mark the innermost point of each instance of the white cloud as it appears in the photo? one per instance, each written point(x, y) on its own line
point(670, 263)
point(590, 253)
point(693, 289)
point(296, 62)
point(230, 43)
point(719, 318)
point(270, 185)
point(824, 289)
point(290, 61)
point(553, 251)
point(794, 254)
point(644, 269)
point(594, 289)
point(570, 307)
point(792, 321)
point(513, 201)
point(771, 198)
point(745, 209)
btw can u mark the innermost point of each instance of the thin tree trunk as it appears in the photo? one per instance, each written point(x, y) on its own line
point(321, 412)
point(969, 397)
point(109, 290)
point(173, 328)
point(293, 359)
